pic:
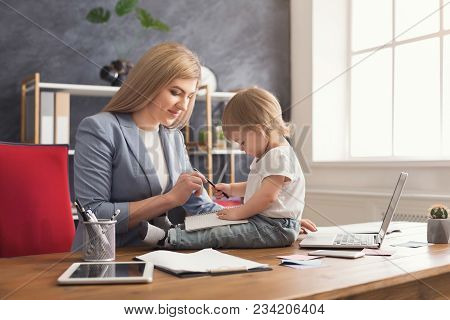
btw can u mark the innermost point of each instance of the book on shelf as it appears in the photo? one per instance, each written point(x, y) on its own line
point(47, 114)
point(62, 117)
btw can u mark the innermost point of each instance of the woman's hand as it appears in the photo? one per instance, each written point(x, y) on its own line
point(306, 224)
point(220, 188)
point(229, 214)
point(186, 184)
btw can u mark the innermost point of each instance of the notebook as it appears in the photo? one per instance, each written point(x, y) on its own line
point(208, 220)
point(203, 262)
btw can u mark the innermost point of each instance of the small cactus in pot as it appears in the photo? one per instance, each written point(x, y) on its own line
point(438, 226)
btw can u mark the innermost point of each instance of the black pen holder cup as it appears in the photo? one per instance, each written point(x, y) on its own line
point(99, 240)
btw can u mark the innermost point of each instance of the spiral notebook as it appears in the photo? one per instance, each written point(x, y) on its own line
point(208, 220)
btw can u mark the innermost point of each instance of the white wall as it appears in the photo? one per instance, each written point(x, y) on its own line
point(347, 192)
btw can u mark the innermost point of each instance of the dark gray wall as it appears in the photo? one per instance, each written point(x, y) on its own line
point(245, 43)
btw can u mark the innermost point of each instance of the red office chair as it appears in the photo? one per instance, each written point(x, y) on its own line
point(35, 209)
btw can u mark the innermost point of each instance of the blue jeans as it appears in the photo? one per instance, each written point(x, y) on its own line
point(259, 232)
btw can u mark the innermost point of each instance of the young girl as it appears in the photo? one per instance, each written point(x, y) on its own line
point(275, 189)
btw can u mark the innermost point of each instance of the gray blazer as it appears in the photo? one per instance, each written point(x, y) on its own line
point(112, 168)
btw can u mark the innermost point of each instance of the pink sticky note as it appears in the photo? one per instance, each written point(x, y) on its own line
point(377, 252)
point(300, 257)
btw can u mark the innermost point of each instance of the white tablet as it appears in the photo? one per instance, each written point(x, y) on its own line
point(107, 272)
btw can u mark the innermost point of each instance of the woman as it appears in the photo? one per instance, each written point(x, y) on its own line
point(131, 157)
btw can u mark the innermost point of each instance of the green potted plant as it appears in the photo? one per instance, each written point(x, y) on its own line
point(219, 136)
point(118, 69)
point(203, 139)
point(438, 226)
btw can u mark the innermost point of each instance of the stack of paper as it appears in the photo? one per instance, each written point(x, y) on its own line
point(200, 262)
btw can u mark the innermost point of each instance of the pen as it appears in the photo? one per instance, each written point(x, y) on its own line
point(91, 215)
point(214, 186)
point(116, 213)
point(81, 210)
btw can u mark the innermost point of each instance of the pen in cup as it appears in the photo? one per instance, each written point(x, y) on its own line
point(92, 216)
point(95, 231)
point(81, 210)
point(116, 213)
point(212, 184)
point(87, 215)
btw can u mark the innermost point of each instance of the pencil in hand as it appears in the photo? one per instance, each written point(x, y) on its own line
point(212, 184)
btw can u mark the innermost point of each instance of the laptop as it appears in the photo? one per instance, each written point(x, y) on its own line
point(346, 240)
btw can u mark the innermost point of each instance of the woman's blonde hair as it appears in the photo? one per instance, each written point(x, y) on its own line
point(252, 108)
point(158, 67)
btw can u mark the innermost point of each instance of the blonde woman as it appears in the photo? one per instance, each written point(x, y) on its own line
point(131, 157)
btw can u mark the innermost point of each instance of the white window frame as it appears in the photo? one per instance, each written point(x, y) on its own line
point(302, 96)
point(440, 34)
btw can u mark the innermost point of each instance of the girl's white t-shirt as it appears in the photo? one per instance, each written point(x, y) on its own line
point(280, 161)
point(152, 142)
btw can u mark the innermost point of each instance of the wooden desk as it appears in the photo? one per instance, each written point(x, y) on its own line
point(421, 273)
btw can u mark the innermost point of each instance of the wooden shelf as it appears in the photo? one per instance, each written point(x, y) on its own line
point(77, 89)
point(109, 91)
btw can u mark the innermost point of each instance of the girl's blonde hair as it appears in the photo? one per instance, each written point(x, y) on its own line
point(252, 108)
point(158, 67)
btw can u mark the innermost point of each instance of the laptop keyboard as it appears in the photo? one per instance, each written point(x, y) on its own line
point(345, 239)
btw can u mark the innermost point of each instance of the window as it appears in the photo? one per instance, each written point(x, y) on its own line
point(395, 80)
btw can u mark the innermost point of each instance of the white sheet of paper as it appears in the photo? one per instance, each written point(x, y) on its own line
point(410, 244)
point(377, 252)
point(300, 257)
point(303, 263)
point(301, 267)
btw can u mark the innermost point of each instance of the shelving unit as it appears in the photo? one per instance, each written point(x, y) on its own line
point(51, 108)
point(209, 98)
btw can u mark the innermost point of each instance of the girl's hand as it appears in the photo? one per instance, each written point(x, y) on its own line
point(306, 224)
point(225, 187)
point(229, 214)
point(186, 184)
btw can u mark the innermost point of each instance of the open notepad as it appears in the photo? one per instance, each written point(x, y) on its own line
point(206, 261)
point(206, 221)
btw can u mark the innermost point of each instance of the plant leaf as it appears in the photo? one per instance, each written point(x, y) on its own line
point(144, 17)
point(98, 15)
point(124, 7)
point(147, 21)
point(161, 26)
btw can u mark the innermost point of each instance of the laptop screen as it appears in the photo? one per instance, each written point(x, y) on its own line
point(393, 204)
